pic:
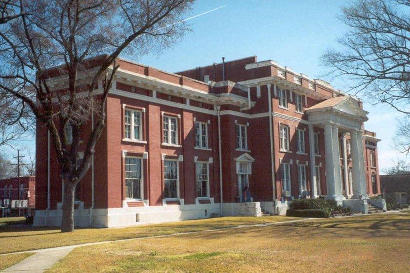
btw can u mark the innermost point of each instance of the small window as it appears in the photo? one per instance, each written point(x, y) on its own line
point(133, 178)
point(68, 131)
point(241, 137)
point(302, 179)
point(170, 130)
point(373, 159)
point(299, 103)
point(283, 98)
point(201, 135)
point(286, 181)
point(202, 179)
point(284, 138)
point(170, 179)
point(301, 141)
point(374, 184)
point(133, 124)
point(316, 143)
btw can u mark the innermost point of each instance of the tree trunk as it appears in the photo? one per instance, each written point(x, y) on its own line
point(67, 221)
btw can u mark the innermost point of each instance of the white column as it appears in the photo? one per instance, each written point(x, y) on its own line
point(359, 180)
point(312, 163)
point(333, 180)
point(345, 167)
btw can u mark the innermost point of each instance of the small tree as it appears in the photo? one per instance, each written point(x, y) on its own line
point(376, 51)
point(67, 35)
point(401, 167)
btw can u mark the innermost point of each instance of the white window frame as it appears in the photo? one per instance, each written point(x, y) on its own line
point(177, 179)
point(200, 180)
point(316, 143)
point(284, 135)
point(302, 179)
point(201, 135)
point(318, 188)
point(242, 138)
point(301, 141)
point(132, 125)
point(299, 103)
point(283, 98)
point(286, 179)
point(241, 172)
point(141, 178)
point(167, 121)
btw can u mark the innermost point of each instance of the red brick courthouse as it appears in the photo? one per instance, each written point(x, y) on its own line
point(253, 134)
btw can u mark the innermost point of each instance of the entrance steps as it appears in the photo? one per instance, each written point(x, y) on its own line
point(373, 209)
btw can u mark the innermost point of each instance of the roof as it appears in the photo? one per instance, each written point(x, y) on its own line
point(329, 103)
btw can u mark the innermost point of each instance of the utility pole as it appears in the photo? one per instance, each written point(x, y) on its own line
point(18, 176)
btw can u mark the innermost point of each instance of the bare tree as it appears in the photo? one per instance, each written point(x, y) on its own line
point(376, 53)
point(6, 168)
point(402, 139)
point(401, 167)
point(67, 35)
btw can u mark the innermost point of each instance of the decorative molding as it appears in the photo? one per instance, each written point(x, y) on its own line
point(180, 158)
point(145, 155)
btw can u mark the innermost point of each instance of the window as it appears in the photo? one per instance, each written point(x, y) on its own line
point(301, 141)
point(68, 131)
point(133, 178)
point(299, 103)
point(133, 125)
point(316, 143)
point(202, 179)
point(283, 98)
point(302, 179)
point(243, 171)
point(21, 194)
point(201, 135)
point(318, 187)
point(284, 138)
point(170, 179)
point(170, 129)
point(241, 137)
point(374, 184)
point(286, 179)
point(373, 159)
point(10, 191)
point(348, 147)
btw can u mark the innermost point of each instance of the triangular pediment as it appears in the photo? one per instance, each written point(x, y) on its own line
point(245, 157)
point(344, 105)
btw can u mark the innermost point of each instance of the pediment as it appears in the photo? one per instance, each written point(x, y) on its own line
point(245, 157)
point(342, 105)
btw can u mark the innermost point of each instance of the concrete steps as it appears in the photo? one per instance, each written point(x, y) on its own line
point(373, 209)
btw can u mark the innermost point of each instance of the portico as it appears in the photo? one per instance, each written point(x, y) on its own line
point(340, 116)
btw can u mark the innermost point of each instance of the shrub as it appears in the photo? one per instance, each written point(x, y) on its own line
point(29, 220)
point(317, 213)
point(313, 204)
point(339, 210)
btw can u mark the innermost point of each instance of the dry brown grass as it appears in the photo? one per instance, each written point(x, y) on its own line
point(11, 259)
point(377, 243)
point(14, 239)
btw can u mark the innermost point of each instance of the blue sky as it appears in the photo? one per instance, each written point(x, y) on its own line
point(292, 33)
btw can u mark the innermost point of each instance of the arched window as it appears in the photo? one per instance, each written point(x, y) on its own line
point(21, 195)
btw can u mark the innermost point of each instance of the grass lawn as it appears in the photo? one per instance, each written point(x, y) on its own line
point(11, 259)
point(14, 238)
point(375, 243)
point(7, 221)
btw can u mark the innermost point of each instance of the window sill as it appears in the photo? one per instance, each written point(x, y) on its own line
point(134, 141)
point(284, 108)
point(242, 150)
point(204, 149)
point(284, 151)
point(171, 145)
point(318, 155)
point(298, 112)
point(301, 153)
